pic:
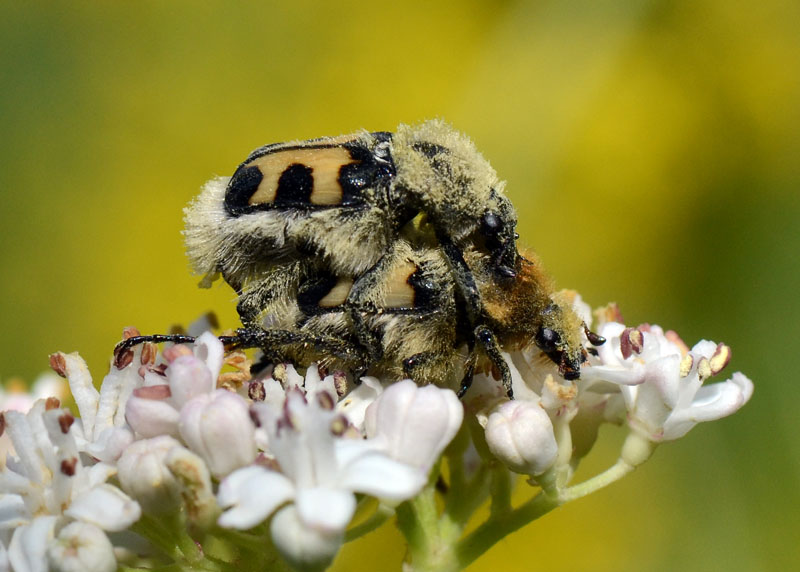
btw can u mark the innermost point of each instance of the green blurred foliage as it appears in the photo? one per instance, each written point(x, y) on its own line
point(652, 149)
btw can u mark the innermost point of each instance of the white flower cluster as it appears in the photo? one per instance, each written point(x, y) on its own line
point(162, 458)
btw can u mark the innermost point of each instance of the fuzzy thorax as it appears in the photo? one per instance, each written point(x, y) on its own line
point(518, 310)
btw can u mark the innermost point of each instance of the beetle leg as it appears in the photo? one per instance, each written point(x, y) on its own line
point(267, 340)
point(465, 283)
point(486, 338)
point(125, 345)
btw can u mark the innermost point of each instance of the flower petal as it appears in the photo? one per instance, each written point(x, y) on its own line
point(28, 546)
point(711, 402)
point(83, 391)
point(110, 443)
point(354, 405)
point(152, 417)
point(210, 350)
point(325, 509)
point(189, 377)
point(250, 495)
point(115, 391)
point(13, 512)
point(376, 474)
point(22, 436)
point(305, 548)
point(105, 506)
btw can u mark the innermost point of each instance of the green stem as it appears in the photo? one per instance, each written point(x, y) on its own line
point(245, 540)
point(164, 534)
point(610, 475)
point(382, 514)
point(497, 528)
point(635, 451)
point(254, 550)
point(455, 460)
point(431, 540)
point(461, 504)
point(500, 490)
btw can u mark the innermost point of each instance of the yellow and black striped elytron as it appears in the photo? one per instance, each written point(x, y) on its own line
point(345, 199)
point(390, 252)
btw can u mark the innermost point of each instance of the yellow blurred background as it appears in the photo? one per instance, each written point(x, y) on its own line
point(652, 150)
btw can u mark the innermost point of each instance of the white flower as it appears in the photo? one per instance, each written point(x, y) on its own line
point(215, 423)
point(414, 424)
point(669, 397)
point(320, 473)
point(520, 434)
point(154, 409)
point(47, 486)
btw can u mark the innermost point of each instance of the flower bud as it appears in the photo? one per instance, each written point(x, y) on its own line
point(415, 423)
point(151, 417)
point(144, 475)
point(81, 547)
point(195, 482)
point(189, 377)
point(520, 435)
point(217, 427)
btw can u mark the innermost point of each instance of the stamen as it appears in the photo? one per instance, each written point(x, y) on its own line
point(65, 421)
point(686, 365)
point(58, 364)
point(631, 341)
point(123, 359)
point(149, 353)
point(339, 425)
point(68, 466)
point(704, 369)
point(721, 357)
point(130, 332)
point(325, 400)
point(256, 391)
point(340, 383)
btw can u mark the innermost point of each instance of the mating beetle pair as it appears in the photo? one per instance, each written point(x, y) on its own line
point(393, 253)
